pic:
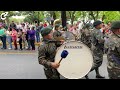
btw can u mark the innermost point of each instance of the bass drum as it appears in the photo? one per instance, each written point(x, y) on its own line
point(78, 62)
point(68, 36)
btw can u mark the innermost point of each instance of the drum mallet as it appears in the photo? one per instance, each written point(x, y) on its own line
point(63, 55)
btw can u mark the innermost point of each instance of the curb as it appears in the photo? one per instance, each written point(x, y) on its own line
point(18, 43)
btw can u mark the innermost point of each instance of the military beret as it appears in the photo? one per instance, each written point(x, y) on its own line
point(57, 25)
point(115, 25)
point(87, 25)
point(97, 23)
point(45, 31)
point(50, 26)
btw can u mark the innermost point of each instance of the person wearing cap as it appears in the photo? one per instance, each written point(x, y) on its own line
point(57, 33)
point(97, 47)
point(113, 55)
point(46, 54)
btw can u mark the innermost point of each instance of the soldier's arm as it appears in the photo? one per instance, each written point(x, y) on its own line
point(41, 57)
point(99, 37)
point(118, 46)
point(55, 34)
point(58, 43)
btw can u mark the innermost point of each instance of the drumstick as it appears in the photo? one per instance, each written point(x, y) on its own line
point(63, 55)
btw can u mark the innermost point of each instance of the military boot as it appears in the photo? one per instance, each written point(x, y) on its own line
point(86, 76)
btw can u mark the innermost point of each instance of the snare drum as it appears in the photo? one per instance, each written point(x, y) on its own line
point(78, 62)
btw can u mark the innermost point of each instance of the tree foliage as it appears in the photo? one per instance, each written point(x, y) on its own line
point(111, 16)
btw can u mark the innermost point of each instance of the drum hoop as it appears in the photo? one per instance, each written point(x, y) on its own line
point(81, 43)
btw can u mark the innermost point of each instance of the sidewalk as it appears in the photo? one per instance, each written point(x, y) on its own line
point(18, 43)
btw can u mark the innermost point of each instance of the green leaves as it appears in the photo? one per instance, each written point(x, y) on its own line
point(111, 16)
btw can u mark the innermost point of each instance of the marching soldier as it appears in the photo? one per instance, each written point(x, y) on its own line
point(113, 54)
point(46, 54)
point(86, 38)
point(57, 33)
point(97, 47)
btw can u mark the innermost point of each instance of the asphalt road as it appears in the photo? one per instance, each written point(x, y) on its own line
point(16, 64)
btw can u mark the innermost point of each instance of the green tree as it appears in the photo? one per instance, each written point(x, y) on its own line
point(111, 16)
point(33, 16)
point(71, 15)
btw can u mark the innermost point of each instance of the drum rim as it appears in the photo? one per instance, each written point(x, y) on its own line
point(85, 46)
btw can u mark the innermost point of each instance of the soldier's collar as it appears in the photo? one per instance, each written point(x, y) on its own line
point(49, 40)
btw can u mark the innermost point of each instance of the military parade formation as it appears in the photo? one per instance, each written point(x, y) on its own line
point(96, 39)
point(99, 37)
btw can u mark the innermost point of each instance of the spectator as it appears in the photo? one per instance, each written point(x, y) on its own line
point(3, 36)
point(14, 37)
point(31, 38)
point(13, 25)
point(20, 38)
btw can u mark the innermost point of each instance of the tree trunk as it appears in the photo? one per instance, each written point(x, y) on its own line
point(97, 15)
point(38, 17)
point(54, 15)
point(63, 16)
point(92, 15)
point(7, 22)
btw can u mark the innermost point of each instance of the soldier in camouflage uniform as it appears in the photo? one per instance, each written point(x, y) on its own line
point(46, 54)
point(86, 35)
point(113, 54)
point(57, 33)
point(97, 47)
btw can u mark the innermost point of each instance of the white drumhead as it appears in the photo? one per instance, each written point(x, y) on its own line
point(77, 63)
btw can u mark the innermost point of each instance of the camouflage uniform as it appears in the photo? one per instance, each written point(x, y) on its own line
point(46, 54)
point(57, 33)
point(113, 56)
point(86, 37)
point(98, 48)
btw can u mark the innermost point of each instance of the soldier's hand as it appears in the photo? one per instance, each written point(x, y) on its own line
point(62, 41)
point(55, 65)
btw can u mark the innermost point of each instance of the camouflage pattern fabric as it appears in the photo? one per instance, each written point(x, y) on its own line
point(98, 46)
point(113, 56)
point(86, 37)
point(46, 54)
point(57, 34)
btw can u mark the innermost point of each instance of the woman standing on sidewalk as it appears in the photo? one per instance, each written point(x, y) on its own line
point(28, 37)
point(14, 37)
point(9, 37)
point(20, 38)
point(31, 37)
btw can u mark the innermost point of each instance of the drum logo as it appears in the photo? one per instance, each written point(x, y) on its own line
point(72, 47)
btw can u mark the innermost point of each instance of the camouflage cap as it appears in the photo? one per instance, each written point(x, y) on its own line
point(98, 22)
point(115, 25)
point(57, 25)
point(87, 25)
point(50, 26)
point(45, 31)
